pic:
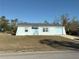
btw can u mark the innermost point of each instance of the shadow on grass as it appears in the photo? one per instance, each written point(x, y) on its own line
point(54, 43)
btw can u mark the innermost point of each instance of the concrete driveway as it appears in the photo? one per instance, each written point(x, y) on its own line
point(42, 55)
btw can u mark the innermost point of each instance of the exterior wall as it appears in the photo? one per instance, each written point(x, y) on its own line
point(21, 31)
point(55, 30)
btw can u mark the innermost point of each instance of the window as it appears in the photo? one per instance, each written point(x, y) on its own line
point(34, 27)
point(45, 29)
point(26, 29)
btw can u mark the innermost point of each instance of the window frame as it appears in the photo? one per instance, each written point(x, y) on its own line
point(46, 29)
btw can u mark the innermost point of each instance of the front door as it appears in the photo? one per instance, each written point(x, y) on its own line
point(35, 30)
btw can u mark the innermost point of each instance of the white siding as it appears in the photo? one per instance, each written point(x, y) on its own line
point(51, 31)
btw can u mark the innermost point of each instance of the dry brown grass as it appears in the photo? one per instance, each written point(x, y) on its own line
point(27, 43)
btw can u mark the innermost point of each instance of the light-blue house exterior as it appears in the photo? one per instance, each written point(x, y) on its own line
point(39, 29)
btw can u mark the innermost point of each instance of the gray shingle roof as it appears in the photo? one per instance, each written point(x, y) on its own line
point(35, 24)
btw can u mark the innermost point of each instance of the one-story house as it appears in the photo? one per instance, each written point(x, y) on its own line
point(39, 29)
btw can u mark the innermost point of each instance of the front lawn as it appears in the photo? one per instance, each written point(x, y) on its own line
point(31, 43)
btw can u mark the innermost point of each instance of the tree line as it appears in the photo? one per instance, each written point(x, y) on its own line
point(71, 25)
point(8, 26)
